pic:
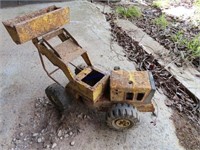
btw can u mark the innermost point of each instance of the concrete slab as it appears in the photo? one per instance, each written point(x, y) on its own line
point(23, 80)
point(188, 76)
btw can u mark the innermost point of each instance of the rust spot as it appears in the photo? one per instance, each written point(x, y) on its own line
point(32, 25)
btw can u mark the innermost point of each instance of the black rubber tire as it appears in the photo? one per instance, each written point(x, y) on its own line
point(81, 67)
point(122, 112)
point(58, 96)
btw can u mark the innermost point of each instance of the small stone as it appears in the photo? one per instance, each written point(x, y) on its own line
point(14, 139)
point(178, 64)
point(35, 134)
point(168, 102)
point(47, 102)
point(36, 105)
point(39, 140)
point(85, 116)
point(25, 139)
point(61, 137)
point(21, 125)
point(17, 138)
point(18, 141)
point(79, 130)
point(54, 145)
point(180, 108)
point(80, 115)
point(59, 133)
point(66, 135)
point(21, 134)
point(72, 143)
point(42, 131)
point(88, 117)
point(47, 146)
point(39, 99)
point(70, 133)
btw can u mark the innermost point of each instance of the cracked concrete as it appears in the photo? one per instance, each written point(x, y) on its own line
point(23, 80)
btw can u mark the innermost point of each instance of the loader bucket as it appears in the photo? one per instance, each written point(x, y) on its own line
point(35, 24)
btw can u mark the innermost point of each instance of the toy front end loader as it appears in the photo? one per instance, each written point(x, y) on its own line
point(121, 93)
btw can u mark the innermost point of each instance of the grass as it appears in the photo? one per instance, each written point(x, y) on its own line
point(160, 3)
point(130, 12)
point(178, 38)
point(164, 3)
point(196, 17)
point(193, 45)
point(161, 22)
point(197, 3)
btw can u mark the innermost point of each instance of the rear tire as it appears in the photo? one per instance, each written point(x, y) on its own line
point(58, 96)
point(122, 117)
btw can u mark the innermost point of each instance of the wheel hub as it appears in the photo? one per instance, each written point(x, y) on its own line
point(123, 123)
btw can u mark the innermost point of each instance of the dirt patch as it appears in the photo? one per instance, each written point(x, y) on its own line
point(46, 127)
point(187, 132)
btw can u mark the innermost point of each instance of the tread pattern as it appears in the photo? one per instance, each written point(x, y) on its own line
point(58, 96)
point(122, 111)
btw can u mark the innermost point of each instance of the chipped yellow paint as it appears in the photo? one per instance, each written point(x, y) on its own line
point(27, 27)
point(93, 93)
point(33, 25)
point(97, 92)
point(122, 82)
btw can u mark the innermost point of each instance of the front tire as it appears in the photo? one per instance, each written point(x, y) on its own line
point(122, 117)
point(58, 96)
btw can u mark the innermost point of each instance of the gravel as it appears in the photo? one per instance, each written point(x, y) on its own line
point(21, 134)
point(72, 143)
point(66, 135)
point(59, 133)
point(35, 134)
point(70, 133)
point(53, 145)
point(39, 140)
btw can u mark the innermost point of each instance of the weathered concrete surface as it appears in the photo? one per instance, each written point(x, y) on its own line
point(188, 76)
point(23, 80)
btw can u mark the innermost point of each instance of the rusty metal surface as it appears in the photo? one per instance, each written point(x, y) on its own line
point(136, 80)
point(97, 96)
point(69, 51)
point(61, 54)
point(123, 82)
point(53, 58)
point(85, 91)
point(104, 103)
point(32, 25)
point(91, 84)
point(52, 34)
point(153, 89)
